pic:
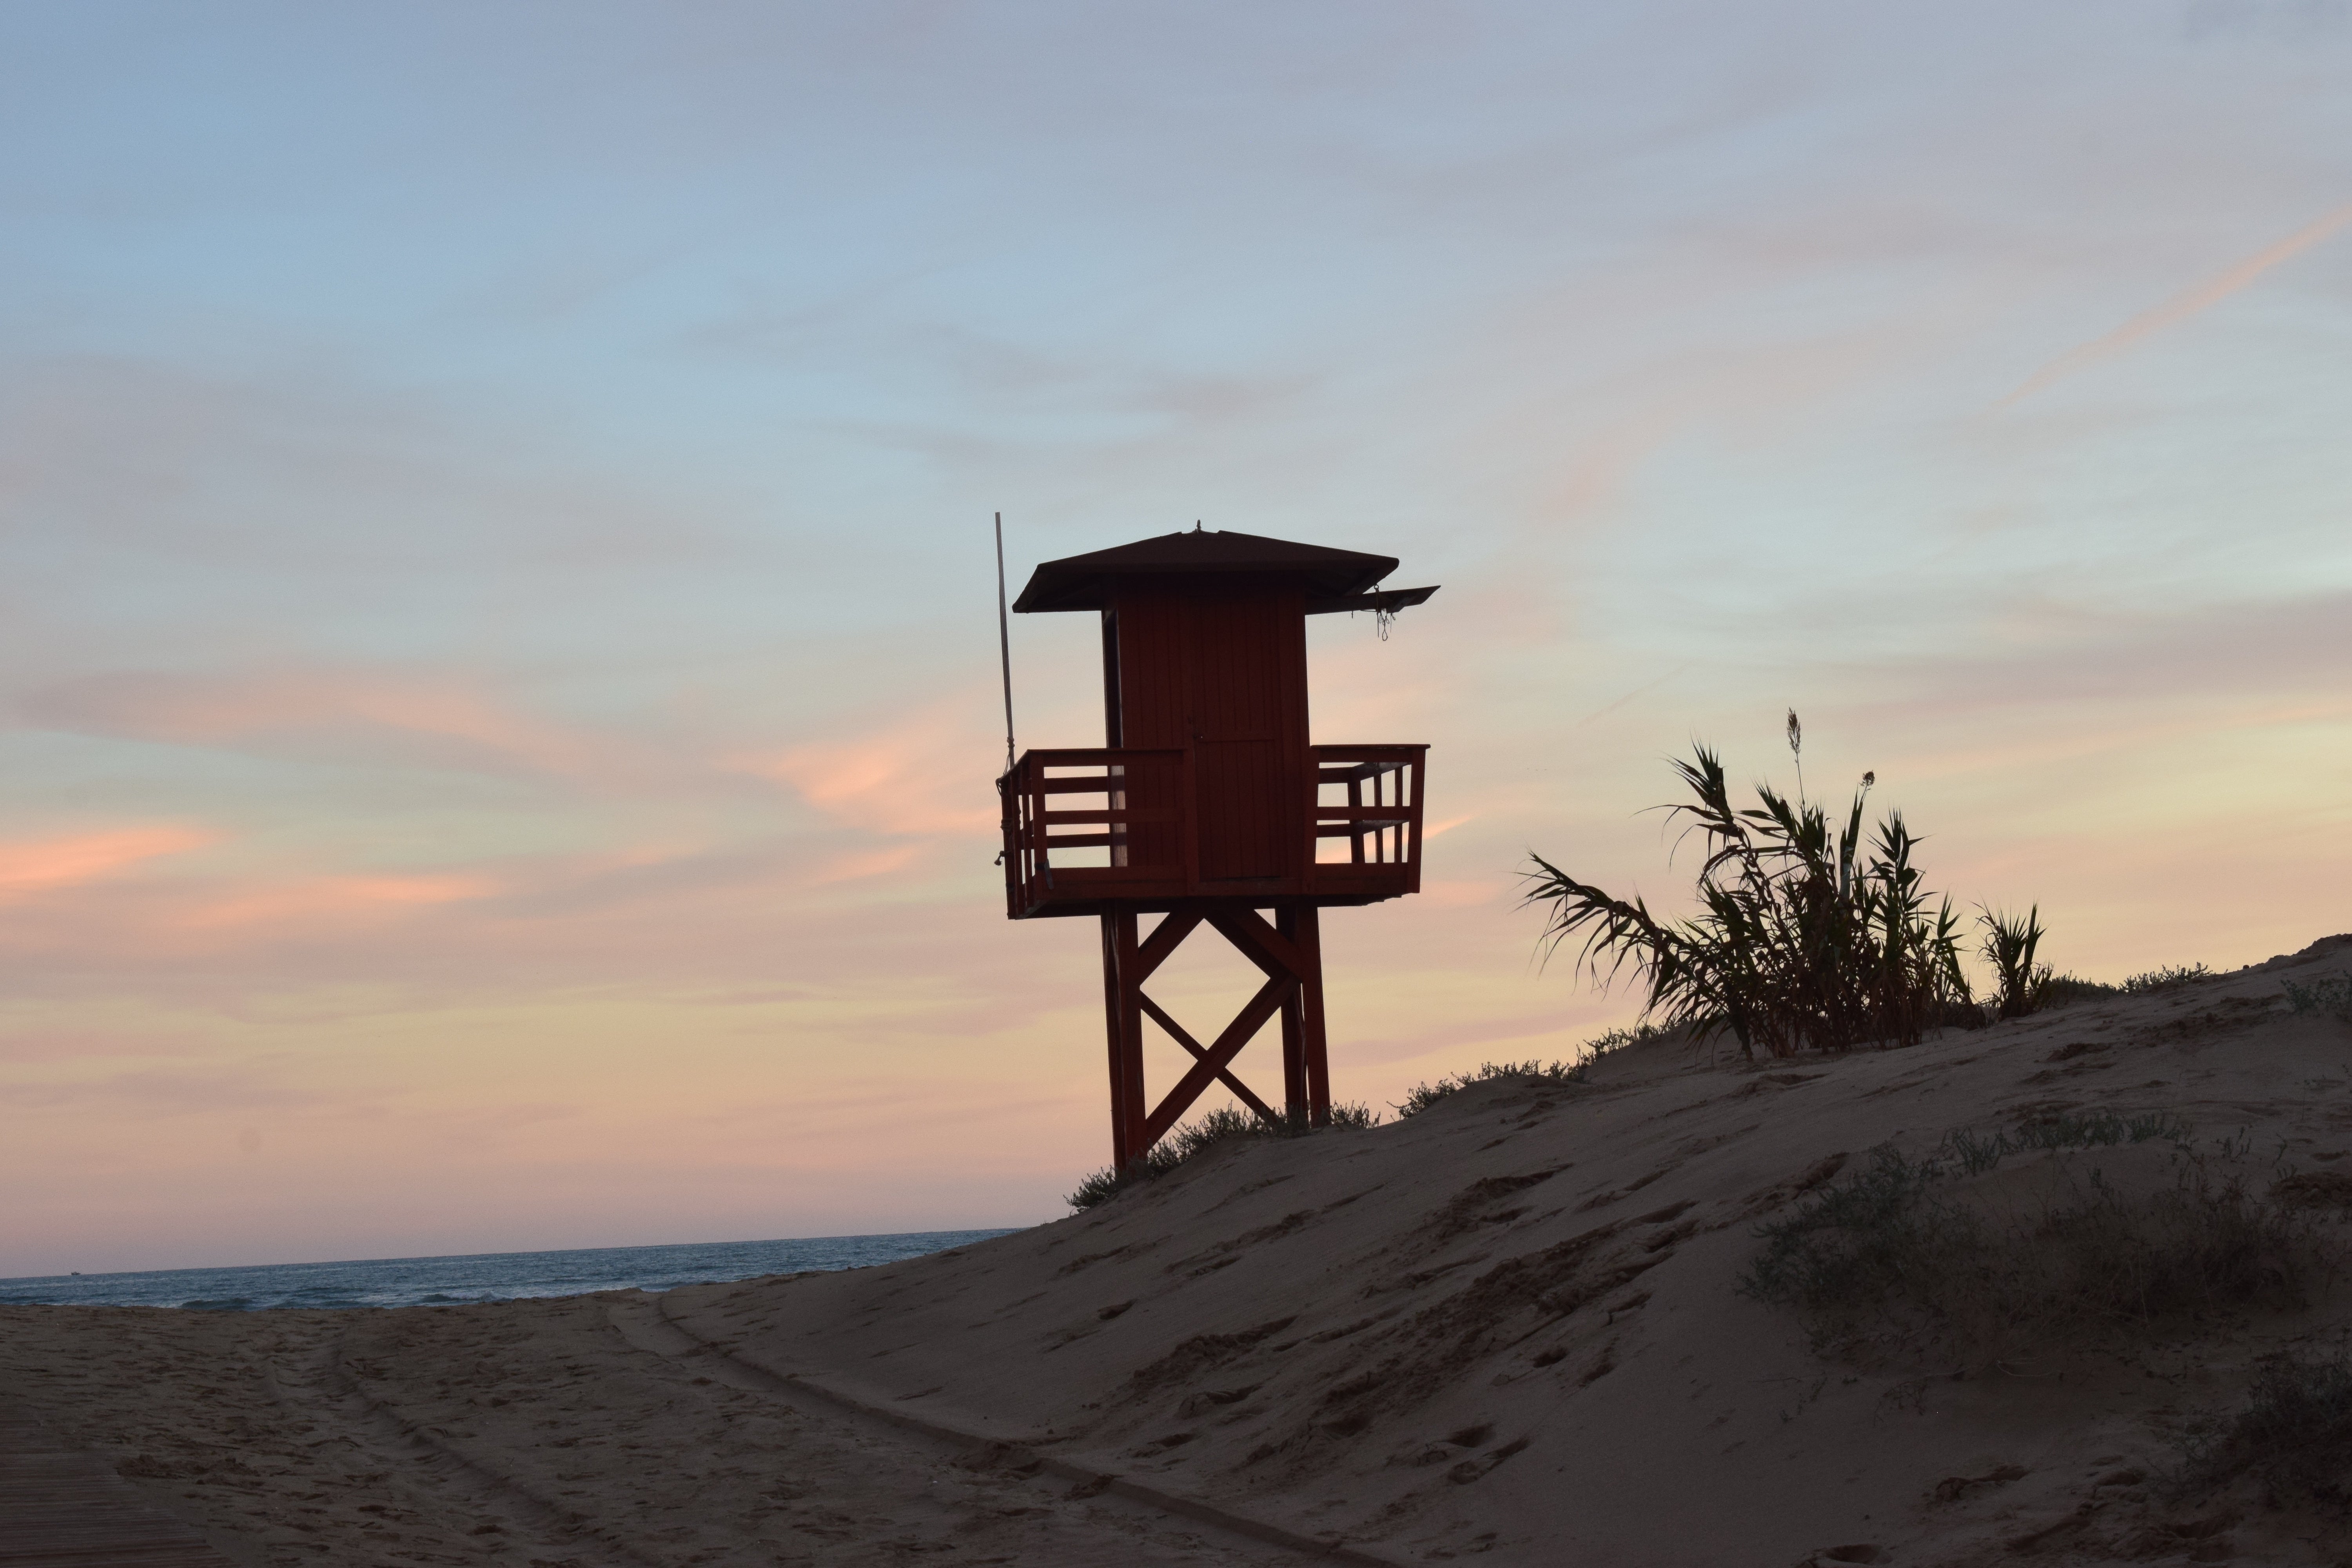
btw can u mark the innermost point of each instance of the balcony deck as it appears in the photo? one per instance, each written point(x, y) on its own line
point(1139, 849)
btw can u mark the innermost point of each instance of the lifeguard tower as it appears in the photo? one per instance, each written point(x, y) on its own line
point(1208, 805)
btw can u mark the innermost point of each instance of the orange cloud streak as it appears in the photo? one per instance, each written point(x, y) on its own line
point(329, 897)
point(314, 708)
point(28, 866)
point(2178, 309)
point(913, 777)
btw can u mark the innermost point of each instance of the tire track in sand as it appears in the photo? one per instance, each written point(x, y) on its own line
point(466, 1481)
point(649, 1325)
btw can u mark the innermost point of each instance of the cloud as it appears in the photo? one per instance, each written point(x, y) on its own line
point(336, 897)
point(861, 864)
point(916, 777)
point(1638, 691)
point(175, 1091)
point(2178, 309)
point(340, 715)
point(34, 865)
point(19, 1047)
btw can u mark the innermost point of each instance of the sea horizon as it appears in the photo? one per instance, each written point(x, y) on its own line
point(472, 1278)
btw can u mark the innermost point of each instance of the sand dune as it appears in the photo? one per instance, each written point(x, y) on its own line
point(1506, 1328)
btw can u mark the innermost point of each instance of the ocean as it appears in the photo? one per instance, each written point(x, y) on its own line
point(482, 1276)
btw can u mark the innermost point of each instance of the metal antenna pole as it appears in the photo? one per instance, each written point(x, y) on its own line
point(1004, 641)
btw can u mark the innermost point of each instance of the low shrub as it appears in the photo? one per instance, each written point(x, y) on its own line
point(1614, 1040)
point(1425, 1095)
point(1974, 1153)
point(1219, 1126)
point(2328, 998)
point(2295, 1435)
point(2065, 989)
point(2164, 979)
point(1893, 1256)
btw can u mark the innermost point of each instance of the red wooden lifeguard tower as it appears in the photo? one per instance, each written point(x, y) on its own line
point(1208, 805)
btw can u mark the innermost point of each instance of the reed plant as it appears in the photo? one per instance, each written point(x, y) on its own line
point(1807, 934)
point(2010, 943)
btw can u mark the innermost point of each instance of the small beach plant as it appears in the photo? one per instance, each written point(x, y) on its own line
point(1806, 935)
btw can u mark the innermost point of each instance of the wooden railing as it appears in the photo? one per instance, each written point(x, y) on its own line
point(1382, 819)
point(1146, 846)
point(1135, 840)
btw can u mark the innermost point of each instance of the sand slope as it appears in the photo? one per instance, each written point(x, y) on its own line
point(1506, 1328)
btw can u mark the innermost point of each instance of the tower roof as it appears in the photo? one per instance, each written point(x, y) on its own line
point(1083, 581)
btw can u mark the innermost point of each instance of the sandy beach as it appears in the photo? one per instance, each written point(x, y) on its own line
point(1506, 1328)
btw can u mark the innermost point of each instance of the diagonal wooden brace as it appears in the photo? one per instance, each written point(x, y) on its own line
point(1240, 1091)
point(1219, 1055)
point(1273, 952)
point(1165, 938)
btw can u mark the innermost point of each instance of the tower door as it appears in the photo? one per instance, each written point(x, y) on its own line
point(1243, 714)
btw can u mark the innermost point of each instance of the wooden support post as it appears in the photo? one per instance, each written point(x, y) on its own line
point(1113, 1031)
point(1308, 939)
point(1294, 1030)
point(1122, 992)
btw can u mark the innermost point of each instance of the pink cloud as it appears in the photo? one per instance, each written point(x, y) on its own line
point(916, 777)
point(337, 897)
point(866, 863)
point(2179, 307)
point(34, 865)
point(335, 712)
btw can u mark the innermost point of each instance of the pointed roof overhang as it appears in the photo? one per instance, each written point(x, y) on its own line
point(1331, 579)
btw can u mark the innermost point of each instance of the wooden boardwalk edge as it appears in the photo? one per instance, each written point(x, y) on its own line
point(64, 1507)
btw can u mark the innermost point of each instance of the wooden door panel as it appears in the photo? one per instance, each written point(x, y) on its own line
point(1237, 705)
point(1241, 800)
point(1220, 668)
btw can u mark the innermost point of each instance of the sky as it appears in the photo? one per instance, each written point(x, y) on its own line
point(497, 675)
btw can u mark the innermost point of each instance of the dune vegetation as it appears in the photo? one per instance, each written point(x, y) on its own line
point(1806, 935)
point(1809, 933)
